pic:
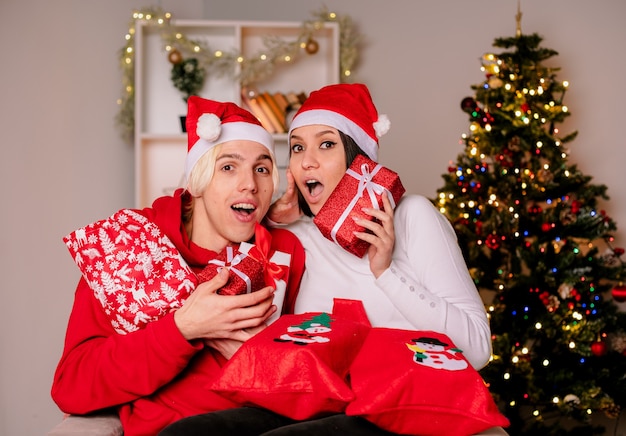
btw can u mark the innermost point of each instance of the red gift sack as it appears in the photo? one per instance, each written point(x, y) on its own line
point(135, 271)
point(363, 185)
point(418, 382)
point(297, 366)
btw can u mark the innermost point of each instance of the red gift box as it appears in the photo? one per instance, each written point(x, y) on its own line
point(135, 271)
point(362, 186)
point(251, 268)
point(245, 273)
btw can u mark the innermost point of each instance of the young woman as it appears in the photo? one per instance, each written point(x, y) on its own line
point(413, 276)
point(156, 375)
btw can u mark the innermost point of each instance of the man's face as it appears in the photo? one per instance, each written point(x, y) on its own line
point(237, 197)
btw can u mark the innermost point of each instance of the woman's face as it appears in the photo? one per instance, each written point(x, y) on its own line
point(317, 162)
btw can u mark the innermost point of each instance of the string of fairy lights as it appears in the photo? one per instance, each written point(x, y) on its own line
point(220, 61)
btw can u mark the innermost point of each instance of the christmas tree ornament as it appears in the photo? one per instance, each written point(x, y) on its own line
point(598, 348)
point(468, 104)
point(174, 57)
point(571, 398)
point(619, 293)
point(311, 46)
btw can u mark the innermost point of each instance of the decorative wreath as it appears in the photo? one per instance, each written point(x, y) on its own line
point(182, 50)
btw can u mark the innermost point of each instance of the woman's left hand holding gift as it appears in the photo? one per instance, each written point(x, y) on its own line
point(382, 237)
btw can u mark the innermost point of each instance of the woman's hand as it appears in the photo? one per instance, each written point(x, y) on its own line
point(382, 238)
point(286, 210)
point(208, 315)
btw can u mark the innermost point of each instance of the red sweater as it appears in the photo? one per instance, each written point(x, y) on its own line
point(152, 376)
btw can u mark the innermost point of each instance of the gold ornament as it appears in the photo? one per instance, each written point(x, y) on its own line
point(311, 46)
point(175, 57)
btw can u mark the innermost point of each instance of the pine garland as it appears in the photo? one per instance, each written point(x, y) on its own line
point(218, 63)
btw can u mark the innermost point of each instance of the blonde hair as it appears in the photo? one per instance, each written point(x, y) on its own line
point(202, 172)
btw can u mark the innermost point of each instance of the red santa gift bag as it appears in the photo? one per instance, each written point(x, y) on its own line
point(418, 382)
point(363, 185)
point(297, 366)
point(135, 271)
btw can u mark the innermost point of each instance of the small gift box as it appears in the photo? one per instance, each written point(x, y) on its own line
point(252, 267)
point(363, 185)
point(245, 273)
point(135, 271)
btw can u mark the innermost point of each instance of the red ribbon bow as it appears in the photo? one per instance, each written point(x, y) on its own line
point(260, 253)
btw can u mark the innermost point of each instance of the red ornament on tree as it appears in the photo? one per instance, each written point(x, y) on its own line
point(619, 293)
point(598, 348)
point(492, 242)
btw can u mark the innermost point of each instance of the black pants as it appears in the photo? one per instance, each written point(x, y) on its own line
point(248, 421)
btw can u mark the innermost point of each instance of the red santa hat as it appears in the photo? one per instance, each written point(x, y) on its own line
point(348, 108)
point(210, 123)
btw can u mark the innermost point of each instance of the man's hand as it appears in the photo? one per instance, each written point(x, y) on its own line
point(208, 315)
point(228, 347)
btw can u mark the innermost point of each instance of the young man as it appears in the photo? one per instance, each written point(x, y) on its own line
point(158, 373)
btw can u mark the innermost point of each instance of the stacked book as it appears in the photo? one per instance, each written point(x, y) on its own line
point(273, 109)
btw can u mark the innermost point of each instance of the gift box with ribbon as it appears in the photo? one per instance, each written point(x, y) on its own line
point(135, 271)
point(252, 267)
point(363, 185)
point(245, 273)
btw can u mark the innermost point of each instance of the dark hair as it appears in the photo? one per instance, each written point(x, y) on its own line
point(351, 150)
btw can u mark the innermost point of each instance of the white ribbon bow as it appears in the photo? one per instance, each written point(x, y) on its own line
point(233, 261)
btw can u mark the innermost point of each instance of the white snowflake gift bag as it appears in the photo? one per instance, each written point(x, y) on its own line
point(135, 271)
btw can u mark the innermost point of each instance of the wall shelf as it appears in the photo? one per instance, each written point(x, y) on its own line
point(160, 147)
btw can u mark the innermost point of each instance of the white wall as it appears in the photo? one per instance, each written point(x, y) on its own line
point(63, 164)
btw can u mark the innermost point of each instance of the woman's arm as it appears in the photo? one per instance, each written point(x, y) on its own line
point(430, 284)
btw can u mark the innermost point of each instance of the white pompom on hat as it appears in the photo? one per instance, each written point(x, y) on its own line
point(210, 123)
point(348, 108)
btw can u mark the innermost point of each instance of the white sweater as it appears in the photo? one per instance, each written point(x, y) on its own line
point(427, 286)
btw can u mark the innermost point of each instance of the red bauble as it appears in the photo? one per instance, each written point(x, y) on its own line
point(619, 293)
point(598, 348)
point(492, 242)
point(468, 104)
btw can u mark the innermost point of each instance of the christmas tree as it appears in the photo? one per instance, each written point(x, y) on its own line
point(538, 248)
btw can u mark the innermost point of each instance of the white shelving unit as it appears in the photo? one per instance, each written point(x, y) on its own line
point(160, 147)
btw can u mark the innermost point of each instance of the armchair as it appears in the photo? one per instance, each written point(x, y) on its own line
point(100, 424)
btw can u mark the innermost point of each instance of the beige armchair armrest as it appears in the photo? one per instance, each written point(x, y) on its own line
point(101, 424)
